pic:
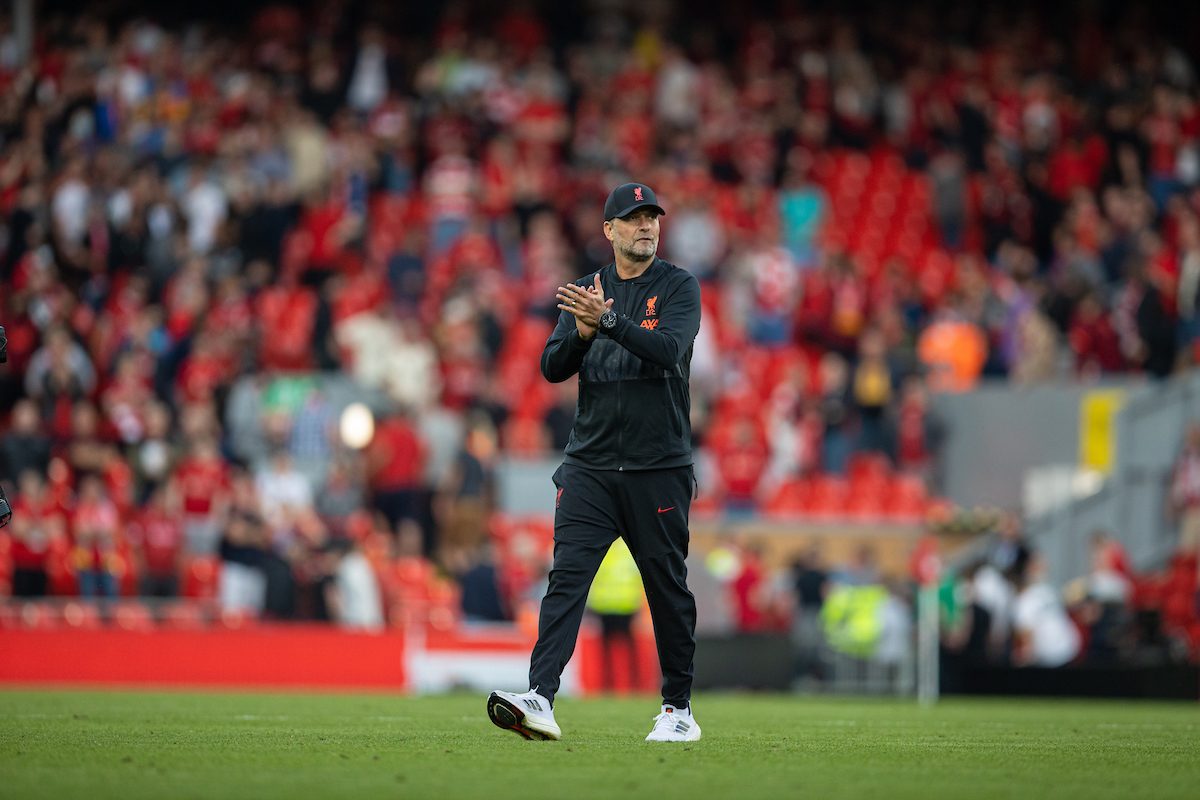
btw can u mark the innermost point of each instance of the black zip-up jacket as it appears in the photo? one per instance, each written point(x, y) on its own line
point(634, 409)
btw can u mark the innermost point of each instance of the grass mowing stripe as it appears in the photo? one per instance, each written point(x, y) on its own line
point(166, 745)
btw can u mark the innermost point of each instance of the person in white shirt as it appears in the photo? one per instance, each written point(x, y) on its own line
point(1043, 634)
point(369, 80)
point(284, 492)
point(353, 596)
point(205, 207)
point(70, 205)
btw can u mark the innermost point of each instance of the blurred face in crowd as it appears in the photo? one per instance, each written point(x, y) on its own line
point(30, 485)
point(91, 490)
point(84, 421)
point(25, 418)
point(634, 237)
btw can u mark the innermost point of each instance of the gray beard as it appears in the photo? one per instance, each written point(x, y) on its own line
point(637, 258)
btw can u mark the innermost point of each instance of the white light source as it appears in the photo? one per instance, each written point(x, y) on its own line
point(357, 426)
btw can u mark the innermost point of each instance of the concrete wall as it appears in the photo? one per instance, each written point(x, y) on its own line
point(996, 434)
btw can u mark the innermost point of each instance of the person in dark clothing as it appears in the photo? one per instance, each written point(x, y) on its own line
point(628, 332)
point(480, 595)
point(964, 645)
point(1157, 332)
point(24, 447)
point(245, 546)
point(809, 580)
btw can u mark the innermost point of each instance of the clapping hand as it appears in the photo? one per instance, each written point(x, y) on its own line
point(586, 304)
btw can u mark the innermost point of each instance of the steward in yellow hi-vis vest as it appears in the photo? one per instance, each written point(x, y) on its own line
point(616, 596)
point(617, 588)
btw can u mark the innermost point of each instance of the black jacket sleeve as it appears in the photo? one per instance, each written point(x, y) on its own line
point(564, 351)
point(678, 324)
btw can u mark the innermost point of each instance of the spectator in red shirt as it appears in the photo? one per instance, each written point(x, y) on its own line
point(395, 464)
point(1183, 496)
point(1092, 337)
point(202, 484)
point(749, 591)
point(741, 459)
point(96, 526)
point(34, 526)
point(157, 541)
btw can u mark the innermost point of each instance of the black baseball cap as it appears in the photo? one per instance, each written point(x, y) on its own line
point(627, 197)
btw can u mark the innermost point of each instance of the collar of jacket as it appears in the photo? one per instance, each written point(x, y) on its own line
point(645, 277)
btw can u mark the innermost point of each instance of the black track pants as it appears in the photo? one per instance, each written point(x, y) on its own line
point(649, 510)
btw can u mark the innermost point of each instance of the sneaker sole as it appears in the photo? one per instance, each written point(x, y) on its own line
point(692, 736)
point(504, 714)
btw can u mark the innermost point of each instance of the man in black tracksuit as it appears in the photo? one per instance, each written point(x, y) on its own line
point(627, 331)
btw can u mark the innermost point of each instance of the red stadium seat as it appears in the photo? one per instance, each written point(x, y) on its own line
point(29, 615)
point(907, 499)
point(830, 494)
point(867, 467)
point(133, 616)
point(185, 615)
point(81, 614)
point(792, 499)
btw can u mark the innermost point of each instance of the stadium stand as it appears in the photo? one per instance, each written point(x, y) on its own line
point(202, 223)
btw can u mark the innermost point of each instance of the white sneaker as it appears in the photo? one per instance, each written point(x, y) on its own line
point(528, 714)
point(674, 725)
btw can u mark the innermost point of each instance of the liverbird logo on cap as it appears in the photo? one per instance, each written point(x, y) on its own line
point(637, 193)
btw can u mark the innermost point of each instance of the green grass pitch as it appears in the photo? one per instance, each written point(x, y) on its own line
point(98, 745)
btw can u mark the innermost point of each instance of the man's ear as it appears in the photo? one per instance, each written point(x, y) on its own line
point(609, 232)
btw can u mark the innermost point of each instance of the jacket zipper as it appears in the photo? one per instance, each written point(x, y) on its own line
point(620, 418)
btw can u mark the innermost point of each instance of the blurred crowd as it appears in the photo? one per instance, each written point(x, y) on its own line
point(200, 217)
point(994, 611)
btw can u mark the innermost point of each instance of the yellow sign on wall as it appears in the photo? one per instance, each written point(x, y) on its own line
point(1098, 429)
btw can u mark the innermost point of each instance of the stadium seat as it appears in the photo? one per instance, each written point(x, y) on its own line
point(184, 615)
point(238, 618)
point(81, 614)
point(866, 467)
point(131, 615)
point(791, 499)
point(830, 494)
point(29, 615)
point(907, 499)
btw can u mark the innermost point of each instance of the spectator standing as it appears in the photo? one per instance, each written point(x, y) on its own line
point(466, 496)
point(616, 597)
point(1183, 497)
point(156, 538)
point(353, 596)
point(284, 495)
point(60, 372)
point(751, 591)
point(809, 581)
point(1043, 634)
point(95, 524)
point(24, 447)
point(34, 526)
point(477, 576)
point(202, 483)
point(871, 388)
point(395, 465)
